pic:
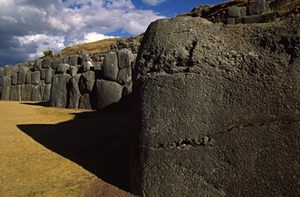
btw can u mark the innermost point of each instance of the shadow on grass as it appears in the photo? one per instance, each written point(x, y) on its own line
point(98, 141)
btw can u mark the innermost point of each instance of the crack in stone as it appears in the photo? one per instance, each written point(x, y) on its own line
point(259, 124)
point(183, 144)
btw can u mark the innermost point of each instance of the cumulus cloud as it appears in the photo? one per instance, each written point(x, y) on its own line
point(29, 26)
point(153, 2)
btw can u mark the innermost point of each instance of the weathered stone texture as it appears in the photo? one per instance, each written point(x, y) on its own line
point(74, 92)
point(125, 58)
point(35, 77)
point(215, 117)
point(59, 90)
point(6, 88)
point(108, 93)
point(110, 66)
point(15, 93)
point(87, 82)
point(26, 92)
point(1, 72)
point(46, 63)
point(14, 79)
point(124, 76)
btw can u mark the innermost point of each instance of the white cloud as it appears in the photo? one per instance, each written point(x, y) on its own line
point(62, 23)
point(153, 2)
point(43, 42)
point(94, 36)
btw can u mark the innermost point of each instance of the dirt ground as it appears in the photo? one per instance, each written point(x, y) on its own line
point(48, 151)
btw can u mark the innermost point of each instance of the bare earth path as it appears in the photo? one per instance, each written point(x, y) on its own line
point(62, 152)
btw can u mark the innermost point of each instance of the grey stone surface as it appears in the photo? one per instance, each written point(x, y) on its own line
point(35, 77)
point(43, 73)
point(38, 92)
point(56, 62)
point(26, 92)
point(125, 58)
point(258, 7)
point(14, 79)
point(59, 90)
point(110, 66)
point(218, 118)
point(75, 60)
point(28, 77)
point(6, 88)
point(233, 12)
point(37, 65)
point(73, 70)
point(1, 72)
point(108, 93)
point(47, 93)
point(15, 93)
point(87, 66)
point(124, 76)
point(230, 21)
point(22, 75)
point(46, 63)
point(74, 92)
point(84, 101)
point(8, 70)
point(87, 82)
point(48, 77)
point(62, 68)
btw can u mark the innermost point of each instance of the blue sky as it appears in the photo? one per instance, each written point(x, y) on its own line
point(28, 27)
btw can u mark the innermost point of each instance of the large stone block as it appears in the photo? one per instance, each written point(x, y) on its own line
point(1, 72)
point(22, 75)
point(75, 60)
point(14, 79)
point(38, 92)
point(47, 93)
point(35, 77)
point(215, 128)
point(74, 92)
point(59, 92)
point(125, 58)
point(110, 66)
point(8, 70)
point(48, 76)
point(108, 93)
point(233, 12)
point(38, 65)
point(124, 76)
point(258, 7)
point(28, 77)
point(26, 92)
point(87, 82)
point(84, 101)
point(46, 63)
point(15, 93)
point(6, 88)
point(62, 68)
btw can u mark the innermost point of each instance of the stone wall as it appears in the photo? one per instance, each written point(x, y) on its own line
point(78, 81)
point(216, 109)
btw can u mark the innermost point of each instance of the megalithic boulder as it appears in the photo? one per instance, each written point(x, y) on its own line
point(59, 90)
point(6, 88)
point(26, 92)
point(74, 92)
point(15, 93)
point(108, 93)
point(216, 110)
point(84, 101)
point(87, 82)
point(110, 66)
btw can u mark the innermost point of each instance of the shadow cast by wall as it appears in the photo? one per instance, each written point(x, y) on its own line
point(98, 141)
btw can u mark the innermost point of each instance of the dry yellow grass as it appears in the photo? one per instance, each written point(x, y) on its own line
point(28, 168)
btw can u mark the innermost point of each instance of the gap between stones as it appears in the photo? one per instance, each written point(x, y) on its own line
point(208, 141)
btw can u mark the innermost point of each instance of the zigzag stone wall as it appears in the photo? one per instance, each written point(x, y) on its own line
point(76, 81)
